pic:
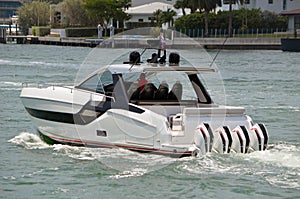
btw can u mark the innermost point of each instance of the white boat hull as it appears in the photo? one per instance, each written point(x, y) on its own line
point(147, 107)
point(146, 131)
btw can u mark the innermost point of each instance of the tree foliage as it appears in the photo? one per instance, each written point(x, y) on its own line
point(231, 14)
point(35, 13)
point(74, 14)
point(164, 17)
point(104, 11)
point(242, 19)
point(205, 6)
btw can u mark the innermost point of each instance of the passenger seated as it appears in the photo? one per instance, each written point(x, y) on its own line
point(148, 92)
point(176, 92)
point(142, 81)
point(174, 59)
point(134, 91)
point(162, 91)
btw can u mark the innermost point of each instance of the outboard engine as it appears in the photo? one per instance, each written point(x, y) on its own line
point(241, 140)
point(203, 138)
point(221, 141)
point(259, 133)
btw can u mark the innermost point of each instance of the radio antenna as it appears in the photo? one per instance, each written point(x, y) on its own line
point(214, 59)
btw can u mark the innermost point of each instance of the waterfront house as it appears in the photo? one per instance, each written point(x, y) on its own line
point(8, 8)
point(294, 19)
point(143, 14)
point(276, 6)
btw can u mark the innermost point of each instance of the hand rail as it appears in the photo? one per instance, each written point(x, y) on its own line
point(46, 85)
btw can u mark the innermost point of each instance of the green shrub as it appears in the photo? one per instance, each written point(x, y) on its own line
point(81, 32)
point(40, 30)
point(242, 19)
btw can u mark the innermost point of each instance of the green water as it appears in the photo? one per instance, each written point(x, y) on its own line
point(267, 83)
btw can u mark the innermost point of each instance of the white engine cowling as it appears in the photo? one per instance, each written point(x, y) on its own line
point(202, 138)
point(223, 140)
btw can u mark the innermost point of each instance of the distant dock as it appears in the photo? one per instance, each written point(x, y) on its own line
point(178, 42)
point(53, 41)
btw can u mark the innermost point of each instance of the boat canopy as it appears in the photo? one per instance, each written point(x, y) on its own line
point(127, 68)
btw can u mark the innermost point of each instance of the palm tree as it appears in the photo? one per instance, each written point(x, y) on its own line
point(208, 6)
point(181, 4)
point(167, 16)
point(230, 14)
point(194, 5)
point(157, 16)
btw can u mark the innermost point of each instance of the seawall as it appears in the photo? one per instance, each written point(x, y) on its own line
point(178, 42)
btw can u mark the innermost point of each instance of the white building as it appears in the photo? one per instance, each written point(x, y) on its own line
point(144, 13)
point(276, 6)
point(135, 3)
point(294, 19)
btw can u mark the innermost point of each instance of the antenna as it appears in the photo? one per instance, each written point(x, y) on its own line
point(214, 59)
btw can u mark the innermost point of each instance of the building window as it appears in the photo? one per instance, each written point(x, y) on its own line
point(284, 5)
point(297, 22)
point(270, 1)
point(141, 20)
point(234, 2)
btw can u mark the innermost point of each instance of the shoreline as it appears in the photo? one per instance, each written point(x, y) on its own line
point(178, 42)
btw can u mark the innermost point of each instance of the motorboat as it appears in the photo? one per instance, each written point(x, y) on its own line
point(150, 105)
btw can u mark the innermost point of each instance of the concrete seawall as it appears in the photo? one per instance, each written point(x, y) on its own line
point(241, 43)
point(178, 42)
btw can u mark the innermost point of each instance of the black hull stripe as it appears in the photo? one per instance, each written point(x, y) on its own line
point(52, 116)
point(78, 118)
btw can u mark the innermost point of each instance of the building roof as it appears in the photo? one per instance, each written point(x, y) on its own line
point(149, 8)
point(291, 12)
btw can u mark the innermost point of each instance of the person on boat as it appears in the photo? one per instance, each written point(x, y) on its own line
point(174, 59)
point(142, 81)
point(137, 87)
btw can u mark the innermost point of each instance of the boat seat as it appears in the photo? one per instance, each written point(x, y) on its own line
point(176, 92)
point(148, 92)
point(134, 91)
point(162, 91)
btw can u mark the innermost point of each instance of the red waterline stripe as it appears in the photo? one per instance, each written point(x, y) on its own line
point(117, 145)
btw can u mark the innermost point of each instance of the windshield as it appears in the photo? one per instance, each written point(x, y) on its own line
point(98, 83)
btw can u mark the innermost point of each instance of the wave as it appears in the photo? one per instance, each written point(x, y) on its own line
point(11, 83)
point(29, 141)
point(282, 107)
point(4, 61)
point(17, 86)
point(41, 64)
point(282, 155)
point(279, 166)
point(126, 163)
